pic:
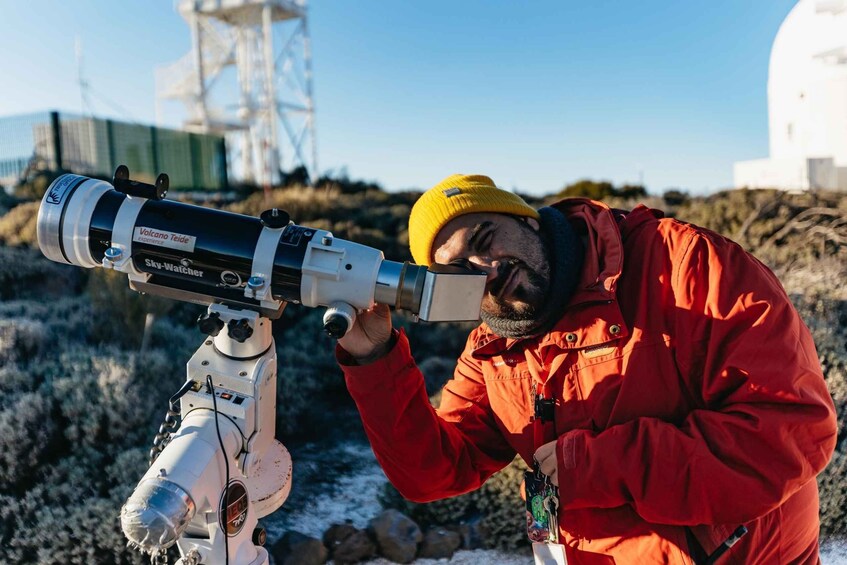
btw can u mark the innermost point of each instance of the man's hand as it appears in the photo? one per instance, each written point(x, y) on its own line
point(547, 462)
point(370, 337)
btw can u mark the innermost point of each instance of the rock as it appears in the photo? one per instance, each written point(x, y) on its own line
point(396, 535)
point(355, 548)
point(348, 544)
point(336, 534)
point(440, 543)
point(294, 548)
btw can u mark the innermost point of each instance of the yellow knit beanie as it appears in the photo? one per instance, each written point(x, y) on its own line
point(453, 197)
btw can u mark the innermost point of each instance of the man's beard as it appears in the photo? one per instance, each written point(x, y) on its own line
point(549, 269)
point(525, 300)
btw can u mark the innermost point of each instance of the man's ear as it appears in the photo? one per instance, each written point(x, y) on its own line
point(533, 223)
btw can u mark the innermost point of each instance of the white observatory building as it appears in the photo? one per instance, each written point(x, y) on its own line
point(807, 103)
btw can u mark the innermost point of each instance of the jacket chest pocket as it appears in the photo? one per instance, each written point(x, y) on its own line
point(511, 396)
point(619, 384)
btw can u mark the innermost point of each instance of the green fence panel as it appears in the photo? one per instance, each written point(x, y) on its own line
point(95, 147)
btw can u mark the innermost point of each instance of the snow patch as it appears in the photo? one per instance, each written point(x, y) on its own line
point(350, 498)
point(834, 552)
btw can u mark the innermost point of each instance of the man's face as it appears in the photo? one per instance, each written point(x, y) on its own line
point(509, 250)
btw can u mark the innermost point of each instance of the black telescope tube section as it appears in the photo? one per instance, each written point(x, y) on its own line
point(215, 257)
point(222, 245)
point(103, 223)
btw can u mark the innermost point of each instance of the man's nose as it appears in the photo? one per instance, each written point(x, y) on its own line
point(490, 268)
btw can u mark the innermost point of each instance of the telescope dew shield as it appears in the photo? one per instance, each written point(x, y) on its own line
point(64, 219)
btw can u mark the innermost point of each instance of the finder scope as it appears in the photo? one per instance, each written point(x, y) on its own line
point(206, 256)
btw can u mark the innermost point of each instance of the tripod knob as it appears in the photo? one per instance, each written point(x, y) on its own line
point(239, 330)
point(210, 324)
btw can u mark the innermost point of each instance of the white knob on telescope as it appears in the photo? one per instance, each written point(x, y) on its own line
point(338, 319)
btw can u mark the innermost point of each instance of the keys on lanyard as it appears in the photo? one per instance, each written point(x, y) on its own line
point(542, 504)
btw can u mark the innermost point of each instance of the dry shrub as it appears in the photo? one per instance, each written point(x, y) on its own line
point(18, 227)
point(300, 202)
point(25, 273)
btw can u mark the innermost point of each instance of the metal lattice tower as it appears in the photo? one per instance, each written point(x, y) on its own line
point(248, 76)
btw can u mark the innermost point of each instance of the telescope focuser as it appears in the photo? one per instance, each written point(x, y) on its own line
point(335, 327)
point(338, 319)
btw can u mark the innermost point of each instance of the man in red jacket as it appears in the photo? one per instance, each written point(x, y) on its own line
point(653, 370)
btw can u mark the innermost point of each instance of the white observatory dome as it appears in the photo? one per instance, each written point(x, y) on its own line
point(807, 102)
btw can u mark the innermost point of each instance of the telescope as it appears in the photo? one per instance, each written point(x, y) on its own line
point(202, 255)
point(216, 467)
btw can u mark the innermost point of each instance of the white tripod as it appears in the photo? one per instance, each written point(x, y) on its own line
point(223, 469)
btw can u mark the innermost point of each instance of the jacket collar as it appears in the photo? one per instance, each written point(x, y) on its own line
point(581, 326)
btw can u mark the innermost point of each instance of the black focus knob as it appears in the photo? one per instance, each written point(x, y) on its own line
point(336, 326)
point(275, 218)
point(259, 536)
point(210, 324)
point(239, 330)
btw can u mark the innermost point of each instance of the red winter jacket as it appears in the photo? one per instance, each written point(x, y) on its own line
point(688, 393)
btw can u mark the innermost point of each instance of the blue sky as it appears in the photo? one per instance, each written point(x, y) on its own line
point(534, 94)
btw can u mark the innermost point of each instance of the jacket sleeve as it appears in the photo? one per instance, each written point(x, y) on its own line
point(764, 424)
point(427, 454)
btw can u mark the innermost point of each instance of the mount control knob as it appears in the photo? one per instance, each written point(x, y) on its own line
point(239, 330)
point(210, 324)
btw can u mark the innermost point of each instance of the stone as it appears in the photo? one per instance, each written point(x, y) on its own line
point(397, 536)
point(440, 543)
point(336, 534)
point(294, 548)
point(348, 544)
